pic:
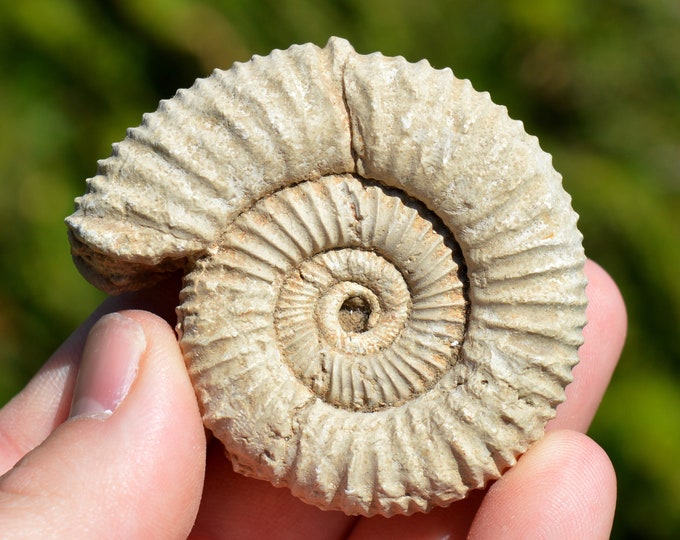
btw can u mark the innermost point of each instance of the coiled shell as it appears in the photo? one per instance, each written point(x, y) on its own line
point(384, 288)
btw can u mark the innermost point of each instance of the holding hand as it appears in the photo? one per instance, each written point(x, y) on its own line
point(106, 441)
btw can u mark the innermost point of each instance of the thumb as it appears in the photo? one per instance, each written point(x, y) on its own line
point(129, 461)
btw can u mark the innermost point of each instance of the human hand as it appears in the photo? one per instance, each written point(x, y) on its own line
point(85, 458)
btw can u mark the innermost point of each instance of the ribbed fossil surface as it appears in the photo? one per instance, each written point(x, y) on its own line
point(384, 290)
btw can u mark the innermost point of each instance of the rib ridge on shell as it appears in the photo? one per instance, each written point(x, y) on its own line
point(384, 292)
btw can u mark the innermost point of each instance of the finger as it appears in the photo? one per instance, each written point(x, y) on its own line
point(137, 453)
point(563, 487)
point(29, 418)
point(604, 336)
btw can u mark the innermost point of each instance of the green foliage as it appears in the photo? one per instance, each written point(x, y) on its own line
point(597, 81)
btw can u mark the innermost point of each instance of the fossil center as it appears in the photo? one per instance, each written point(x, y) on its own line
point(357, 313)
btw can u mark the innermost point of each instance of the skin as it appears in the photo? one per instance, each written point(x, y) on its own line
point(106, 441)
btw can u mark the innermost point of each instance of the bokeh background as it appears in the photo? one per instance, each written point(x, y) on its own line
point(597, 80)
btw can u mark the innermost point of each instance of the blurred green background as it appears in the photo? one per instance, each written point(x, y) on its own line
point(597, 81)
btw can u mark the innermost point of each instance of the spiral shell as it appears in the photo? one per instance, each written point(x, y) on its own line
point(384, 289)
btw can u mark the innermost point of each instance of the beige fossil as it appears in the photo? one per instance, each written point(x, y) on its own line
point(384, 289)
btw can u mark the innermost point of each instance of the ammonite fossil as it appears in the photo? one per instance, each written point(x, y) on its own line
point(384, 289)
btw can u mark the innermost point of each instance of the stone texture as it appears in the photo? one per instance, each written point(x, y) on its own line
point(384, 290)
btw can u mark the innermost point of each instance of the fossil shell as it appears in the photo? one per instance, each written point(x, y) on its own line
point(384, 289)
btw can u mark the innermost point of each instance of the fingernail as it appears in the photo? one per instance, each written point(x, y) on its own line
point(109, 365)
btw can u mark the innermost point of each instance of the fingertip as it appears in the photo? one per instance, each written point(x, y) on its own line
point(563, 487)
point(169, 446)
point(109, 364)
point(606, 307)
